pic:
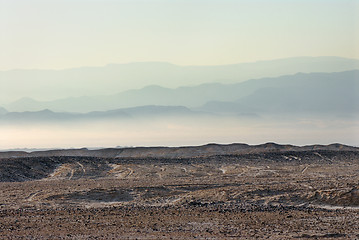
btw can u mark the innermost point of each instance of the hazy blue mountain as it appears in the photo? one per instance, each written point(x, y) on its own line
point(38, 116)
point(126, 113)
point(114, 78)
point(323, 91)
point(335, 94)
point(150, 95)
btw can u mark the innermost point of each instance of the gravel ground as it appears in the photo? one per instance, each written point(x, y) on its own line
point(275, 195)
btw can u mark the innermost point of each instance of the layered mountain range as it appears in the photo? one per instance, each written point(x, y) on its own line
point(302, 93)
point(298, 101)
point(115, 78)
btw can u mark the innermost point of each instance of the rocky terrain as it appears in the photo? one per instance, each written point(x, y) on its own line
point(206, 192)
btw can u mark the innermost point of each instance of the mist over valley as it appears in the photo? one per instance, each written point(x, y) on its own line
point(302, 108)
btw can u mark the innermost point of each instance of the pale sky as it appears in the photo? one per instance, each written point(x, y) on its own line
point(57, 34)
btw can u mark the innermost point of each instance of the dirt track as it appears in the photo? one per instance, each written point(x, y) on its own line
point(274, 194)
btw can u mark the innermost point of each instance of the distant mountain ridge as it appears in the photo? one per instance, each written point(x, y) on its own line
point(125, 113)
point(317, 93)
point(335, 94)
point(114, 78)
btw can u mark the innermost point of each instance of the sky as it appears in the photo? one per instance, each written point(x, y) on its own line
point(59, 34)
point(67, 34)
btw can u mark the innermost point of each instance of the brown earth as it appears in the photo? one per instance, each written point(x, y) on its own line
point(277, 193)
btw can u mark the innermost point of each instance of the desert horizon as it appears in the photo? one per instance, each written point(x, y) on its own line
point(160, 119)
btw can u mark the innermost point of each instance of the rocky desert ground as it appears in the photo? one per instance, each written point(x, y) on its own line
point(214, 191)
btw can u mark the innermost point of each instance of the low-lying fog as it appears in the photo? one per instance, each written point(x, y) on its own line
point(178, 131)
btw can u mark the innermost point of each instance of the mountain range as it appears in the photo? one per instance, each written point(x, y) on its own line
point(297, 101)
point(312, 93)
point(146, 112)
point(46, 85)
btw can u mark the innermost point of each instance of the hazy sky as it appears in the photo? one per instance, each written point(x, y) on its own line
point(56, 34)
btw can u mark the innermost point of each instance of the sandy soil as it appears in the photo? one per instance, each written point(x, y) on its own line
point(274, 195)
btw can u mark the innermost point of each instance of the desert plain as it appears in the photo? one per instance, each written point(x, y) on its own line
point(235, 191)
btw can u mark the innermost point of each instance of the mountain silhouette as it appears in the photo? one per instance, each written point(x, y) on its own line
point(126, 113)
point(302, 92)
point(48, 85)
point(333, 94)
